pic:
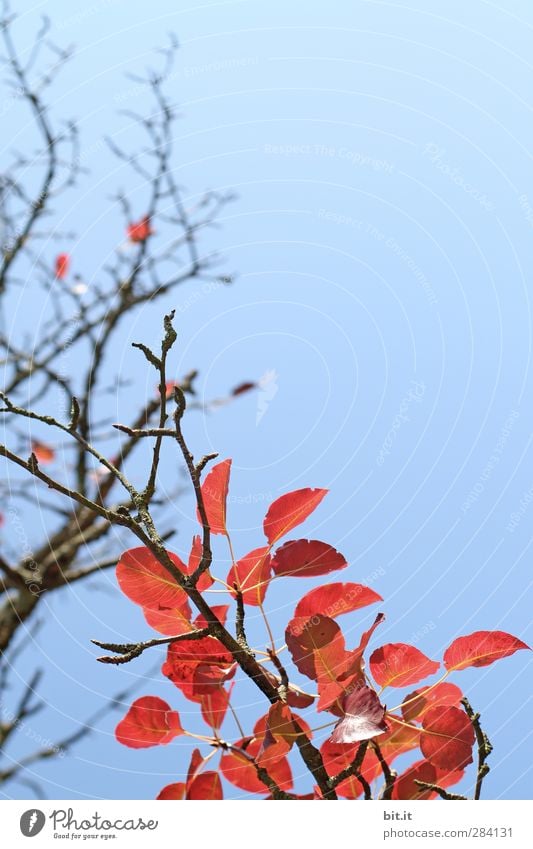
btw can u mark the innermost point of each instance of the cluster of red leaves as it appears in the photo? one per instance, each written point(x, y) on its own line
point(430, 719)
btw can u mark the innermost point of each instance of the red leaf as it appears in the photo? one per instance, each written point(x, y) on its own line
point(405, 787)
point(399, 739)
point(242, 388)
point(335, 599)
point(194, 765)
point(173, 791)
point(44, 453)
point(169, 620)
point(280, 733)
point(215, 494)
point(169, 388)
point(398, 664)
point(184, 658)
point(364, 717)
point(420, 701)
point(205, 580)
point(62, 264)
point(481, 649)
point(220, 611)
point(308, 638)
point(138, 231)
point(150, 721)
point(290, 510)
point(447, 738)
point(214, 707)
point(295, 697)
point(251, 574)
point(337, 756)
point(146, 582)
point(207, 785)
point(238, 770)
point(349, 673)
point(304, 558)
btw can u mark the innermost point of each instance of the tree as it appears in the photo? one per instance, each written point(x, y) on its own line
point(205, 653)
point(98, 491)
point(65, 352)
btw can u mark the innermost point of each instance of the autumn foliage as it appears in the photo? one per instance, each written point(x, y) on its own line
point(342, 714)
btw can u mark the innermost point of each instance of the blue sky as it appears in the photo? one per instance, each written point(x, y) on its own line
point(381, 239)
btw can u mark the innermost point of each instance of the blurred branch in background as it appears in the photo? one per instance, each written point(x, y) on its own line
point(81, 320)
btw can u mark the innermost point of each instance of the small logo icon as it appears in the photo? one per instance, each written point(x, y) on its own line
point(32, 822)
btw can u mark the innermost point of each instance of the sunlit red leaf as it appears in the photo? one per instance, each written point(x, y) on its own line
point(398, 665)
point(214, 706)
point(338, 756)
point(215, 494)
point(220, 611)
point(62, 264)
point(308, 638)
point(335, 599)
point(146, 582)
point(364, 717)
point(281, 732)
point(184, 658)
point(173, 791)
point(447, 738)
point(304, 558)
point(205, 580)
point(349, 672)
point(405, 787)
point(150, 721)
point(290, 510)
point(138, 231)
point(239, 771)
point(420, 701)
point(169, 620)
point(399, 739)
point(194, 765)
point(206, 785)
point(44, 453)
point(242, 388)
point(251, 574)
point(481, 649)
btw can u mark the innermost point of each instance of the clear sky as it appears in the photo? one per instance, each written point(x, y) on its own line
point(381, 235)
